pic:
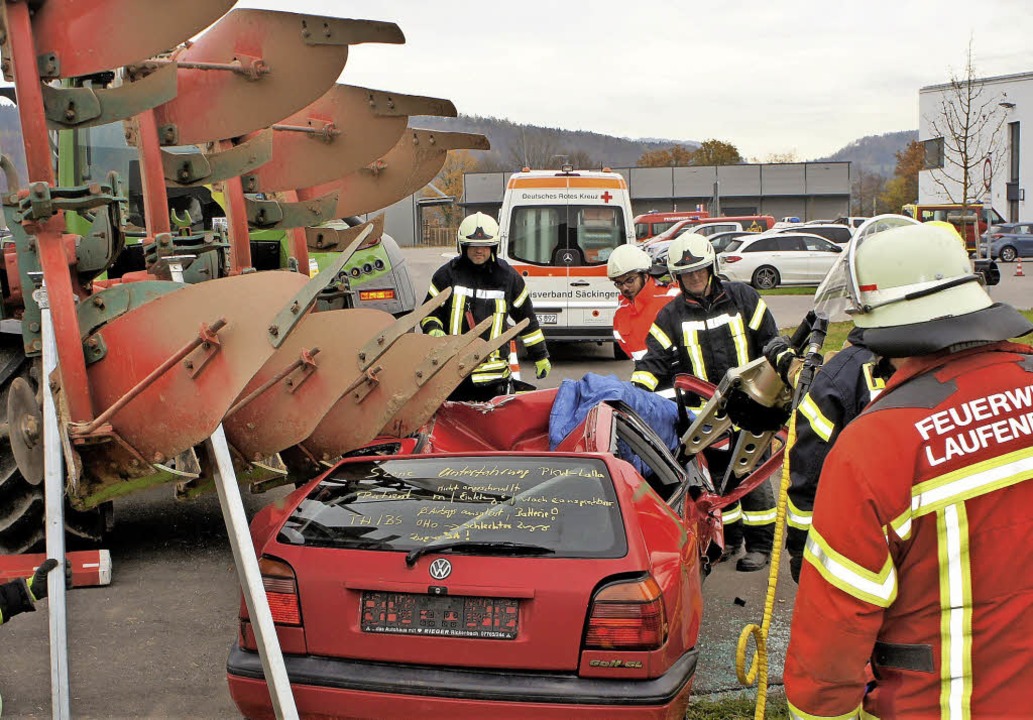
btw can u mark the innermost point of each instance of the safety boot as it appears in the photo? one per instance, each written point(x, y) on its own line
point(753, 561)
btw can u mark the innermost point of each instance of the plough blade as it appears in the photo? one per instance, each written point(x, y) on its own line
point(182, 406)
point(284, 62)
point(289, 410)
point(122, 31)
point(381, 392)
point(436, 390)
point(81, 107)
point(198, 168)
point(408, 166)
point(346, 129)
point(328, 239)
point(282, 215)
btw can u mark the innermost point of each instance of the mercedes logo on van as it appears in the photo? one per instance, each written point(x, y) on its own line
point(440, 569)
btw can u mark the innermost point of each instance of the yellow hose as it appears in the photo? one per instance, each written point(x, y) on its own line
point(759, 663)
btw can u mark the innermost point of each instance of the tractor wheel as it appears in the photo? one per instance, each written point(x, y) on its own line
point(22, 507)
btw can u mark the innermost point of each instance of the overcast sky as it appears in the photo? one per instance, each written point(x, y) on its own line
point(768, 76)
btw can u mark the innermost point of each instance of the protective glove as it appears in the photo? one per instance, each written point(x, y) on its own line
point(795, 566)
point(779, 352)
point(437, 332)
point(542, 368)
point(38, 582)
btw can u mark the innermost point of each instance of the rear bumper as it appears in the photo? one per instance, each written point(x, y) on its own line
point(555, 333)
point(416, 685)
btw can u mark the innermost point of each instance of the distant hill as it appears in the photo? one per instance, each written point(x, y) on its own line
point(875, 153)
point(514, 145)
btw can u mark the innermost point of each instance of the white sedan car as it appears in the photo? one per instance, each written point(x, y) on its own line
point(767, 261)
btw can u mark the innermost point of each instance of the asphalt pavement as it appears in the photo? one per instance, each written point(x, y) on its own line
point(154, 643)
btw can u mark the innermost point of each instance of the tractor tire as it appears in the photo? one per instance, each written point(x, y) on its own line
point(22, 506)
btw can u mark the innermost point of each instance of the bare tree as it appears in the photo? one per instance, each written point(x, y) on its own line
point(968, 123)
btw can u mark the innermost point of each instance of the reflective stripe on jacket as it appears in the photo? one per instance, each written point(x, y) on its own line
point(840, 391)
point(705, 339)
point(492, 290)
point(921, 540)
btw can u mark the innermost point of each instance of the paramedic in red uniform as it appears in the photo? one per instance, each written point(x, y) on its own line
point(641, 298)
point(917, 556)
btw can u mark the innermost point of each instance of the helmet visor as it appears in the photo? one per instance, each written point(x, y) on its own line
point(838, 294)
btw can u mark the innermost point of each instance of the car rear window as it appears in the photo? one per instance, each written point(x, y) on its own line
point(567, 505)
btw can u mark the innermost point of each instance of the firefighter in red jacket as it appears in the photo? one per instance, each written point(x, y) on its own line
point(641, 298)
point(915, 558)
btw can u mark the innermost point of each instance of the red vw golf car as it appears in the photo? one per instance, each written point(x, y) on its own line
point(470, 572)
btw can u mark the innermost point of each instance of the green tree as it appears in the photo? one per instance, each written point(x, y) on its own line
point(902, 188)
point(716, 152)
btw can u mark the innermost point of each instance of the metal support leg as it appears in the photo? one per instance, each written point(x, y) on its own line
point(55, 495)
point(251, 579)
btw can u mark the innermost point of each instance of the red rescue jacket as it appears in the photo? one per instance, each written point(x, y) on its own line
point(632, 320)
point(920, 550)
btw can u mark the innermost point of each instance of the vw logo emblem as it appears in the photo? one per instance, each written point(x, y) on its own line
point(440, 569)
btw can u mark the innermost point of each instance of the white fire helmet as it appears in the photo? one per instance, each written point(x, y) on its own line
point(913, 291)
point(625, 259)
point(478, 230)
point(690, 252)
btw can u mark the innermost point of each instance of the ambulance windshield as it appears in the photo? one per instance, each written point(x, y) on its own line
point(565, 234)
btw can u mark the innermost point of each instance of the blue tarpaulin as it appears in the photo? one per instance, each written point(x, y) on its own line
point(576, 397)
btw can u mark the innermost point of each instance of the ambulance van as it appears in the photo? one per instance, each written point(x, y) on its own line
point(558, 229)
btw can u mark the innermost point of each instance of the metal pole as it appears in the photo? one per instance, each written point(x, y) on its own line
point(244, 557)
point(54, 491)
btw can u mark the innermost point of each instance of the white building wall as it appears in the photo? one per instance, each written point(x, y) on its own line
point(1017, 89)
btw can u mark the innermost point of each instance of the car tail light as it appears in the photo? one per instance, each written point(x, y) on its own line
point(732, 258)
point(281, 588)
point(995, 236)
point(628, 616)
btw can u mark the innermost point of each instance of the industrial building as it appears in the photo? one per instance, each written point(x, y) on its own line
point(1006, 100)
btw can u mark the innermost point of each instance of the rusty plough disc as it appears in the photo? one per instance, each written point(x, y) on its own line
point(184, 405)
point(414, 375)
point(346, 129)
point(273, 64)
point(311, 370)
point(82, 37)
point(412, 163)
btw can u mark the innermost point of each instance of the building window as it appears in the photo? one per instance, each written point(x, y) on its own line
point(1013, 172)
point(933, 153)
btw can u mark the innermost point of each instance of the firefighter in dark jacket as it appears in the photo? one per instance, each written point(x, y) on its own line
point(714, 326)
point(848, 381)
point(484, 286)
point(21, 595)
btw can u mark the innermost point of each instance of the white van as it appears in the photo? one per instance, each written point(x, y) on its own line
point(558, 229)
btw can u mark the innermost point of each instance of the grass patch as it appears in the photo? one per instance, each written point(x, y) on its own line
point(736, 708)
point(790, 290)
point(839, 330)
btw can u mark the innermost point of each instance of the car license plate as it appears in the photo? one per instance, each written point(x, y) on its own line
point(548, 318)
point(444, 615)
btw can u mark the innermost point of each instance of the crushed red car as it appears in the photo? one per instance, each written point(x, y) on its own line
point(470, 572)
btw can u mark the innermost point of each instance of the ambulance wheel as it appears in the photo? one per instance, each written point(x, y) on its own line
point(618, 352)
point(22, 506)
